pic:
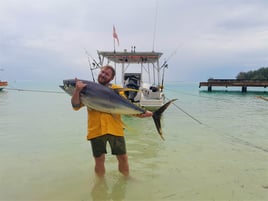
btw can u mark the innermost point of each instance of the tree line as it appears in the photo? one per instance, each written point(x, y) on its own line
point(260, 74)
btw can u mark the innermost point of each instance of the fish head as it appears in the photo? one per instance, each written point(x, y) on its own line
point(68, 86)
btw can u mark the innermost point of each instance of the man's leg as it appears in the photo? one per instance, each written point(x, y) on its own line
point(99, 149)
point(99, 165)
point(123, 164)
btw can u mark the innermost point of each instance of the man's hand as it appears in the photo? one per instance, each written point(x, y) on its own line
point(79, 85)
point(146, 114)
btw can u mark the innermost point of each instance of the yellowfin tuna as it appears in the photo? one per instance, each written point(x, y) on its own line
point(105, 99)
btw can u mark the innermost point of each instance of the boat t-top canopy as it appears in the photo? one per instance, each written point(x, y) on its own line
point(131, 57)
point(147, 60)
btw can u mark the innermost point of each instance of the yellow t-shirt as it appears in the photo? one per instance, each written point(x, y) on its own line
point(101, 123)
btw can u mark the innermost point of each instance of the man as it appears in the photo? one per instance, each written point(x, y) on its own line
point(103, 127)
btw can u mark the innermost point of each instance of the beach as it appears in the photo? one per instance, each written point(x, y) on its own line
point(215, 148)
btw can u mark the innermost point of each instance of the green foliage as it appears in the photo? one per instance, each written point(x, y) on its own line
point(260, 74)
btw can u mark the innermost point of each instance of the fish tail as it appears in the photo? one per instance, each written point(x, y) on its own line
point(157, 117)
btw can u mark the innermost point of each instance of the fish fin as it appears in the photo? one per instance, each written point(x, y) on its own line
point(157, 117)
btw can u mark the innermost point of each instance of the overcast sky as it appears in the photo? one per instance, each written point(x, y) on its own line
point(46, 39)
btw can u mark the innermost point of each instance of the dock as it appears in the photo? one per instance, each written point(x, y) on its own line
point(233, 83)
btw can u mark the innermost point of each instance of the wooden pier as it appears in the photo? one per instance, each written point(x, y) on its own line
point(233, 83)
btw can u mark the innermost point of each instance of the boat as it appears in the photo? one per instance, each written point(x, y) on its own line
point(3, 84)
point(140, 71)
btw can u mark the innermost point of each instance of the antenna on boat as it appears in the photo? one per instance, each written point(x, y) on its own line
point(155, 20)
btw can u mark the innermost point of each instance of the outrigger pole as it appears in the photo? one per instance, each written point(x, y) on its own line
point(114, 45)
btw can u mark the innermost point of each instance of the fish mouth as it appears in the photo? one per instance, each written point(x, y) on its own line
point(64, 86)
point(67, 84)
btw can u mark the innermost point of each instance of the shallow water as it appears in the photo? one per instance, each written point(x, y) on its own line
point(215, 148)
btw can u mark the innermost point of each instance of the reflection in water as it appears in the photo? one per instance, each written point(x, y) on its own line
point(102, 191)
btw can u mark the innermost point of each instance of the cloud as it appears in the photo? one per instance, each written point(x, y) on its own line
point(47, 39)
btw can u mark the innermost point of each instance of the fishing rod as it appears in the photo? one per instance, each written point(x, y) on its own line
point(35, 90)
point(165, 65)
point(91, 70)
point(94, 63)
point(189, 115)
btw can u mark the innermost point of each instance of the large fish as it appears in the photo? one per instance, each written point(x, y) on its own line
point(105, 99)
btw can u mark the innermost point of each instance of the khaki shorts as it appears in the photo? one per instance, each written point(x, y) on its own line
point(117, 144)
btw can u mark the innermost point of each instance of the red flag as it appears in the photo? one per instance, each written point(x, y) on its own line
point(115, 35)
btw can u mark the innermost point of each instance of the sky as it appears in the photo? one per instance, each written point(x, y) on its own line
point(47, 39)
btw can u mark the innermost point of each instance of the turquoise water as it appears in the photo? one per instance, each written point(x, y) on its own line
point(215, 148)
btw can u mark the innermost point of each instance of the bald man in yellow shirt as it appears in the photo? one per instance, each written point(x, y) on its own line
point(103, 127)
